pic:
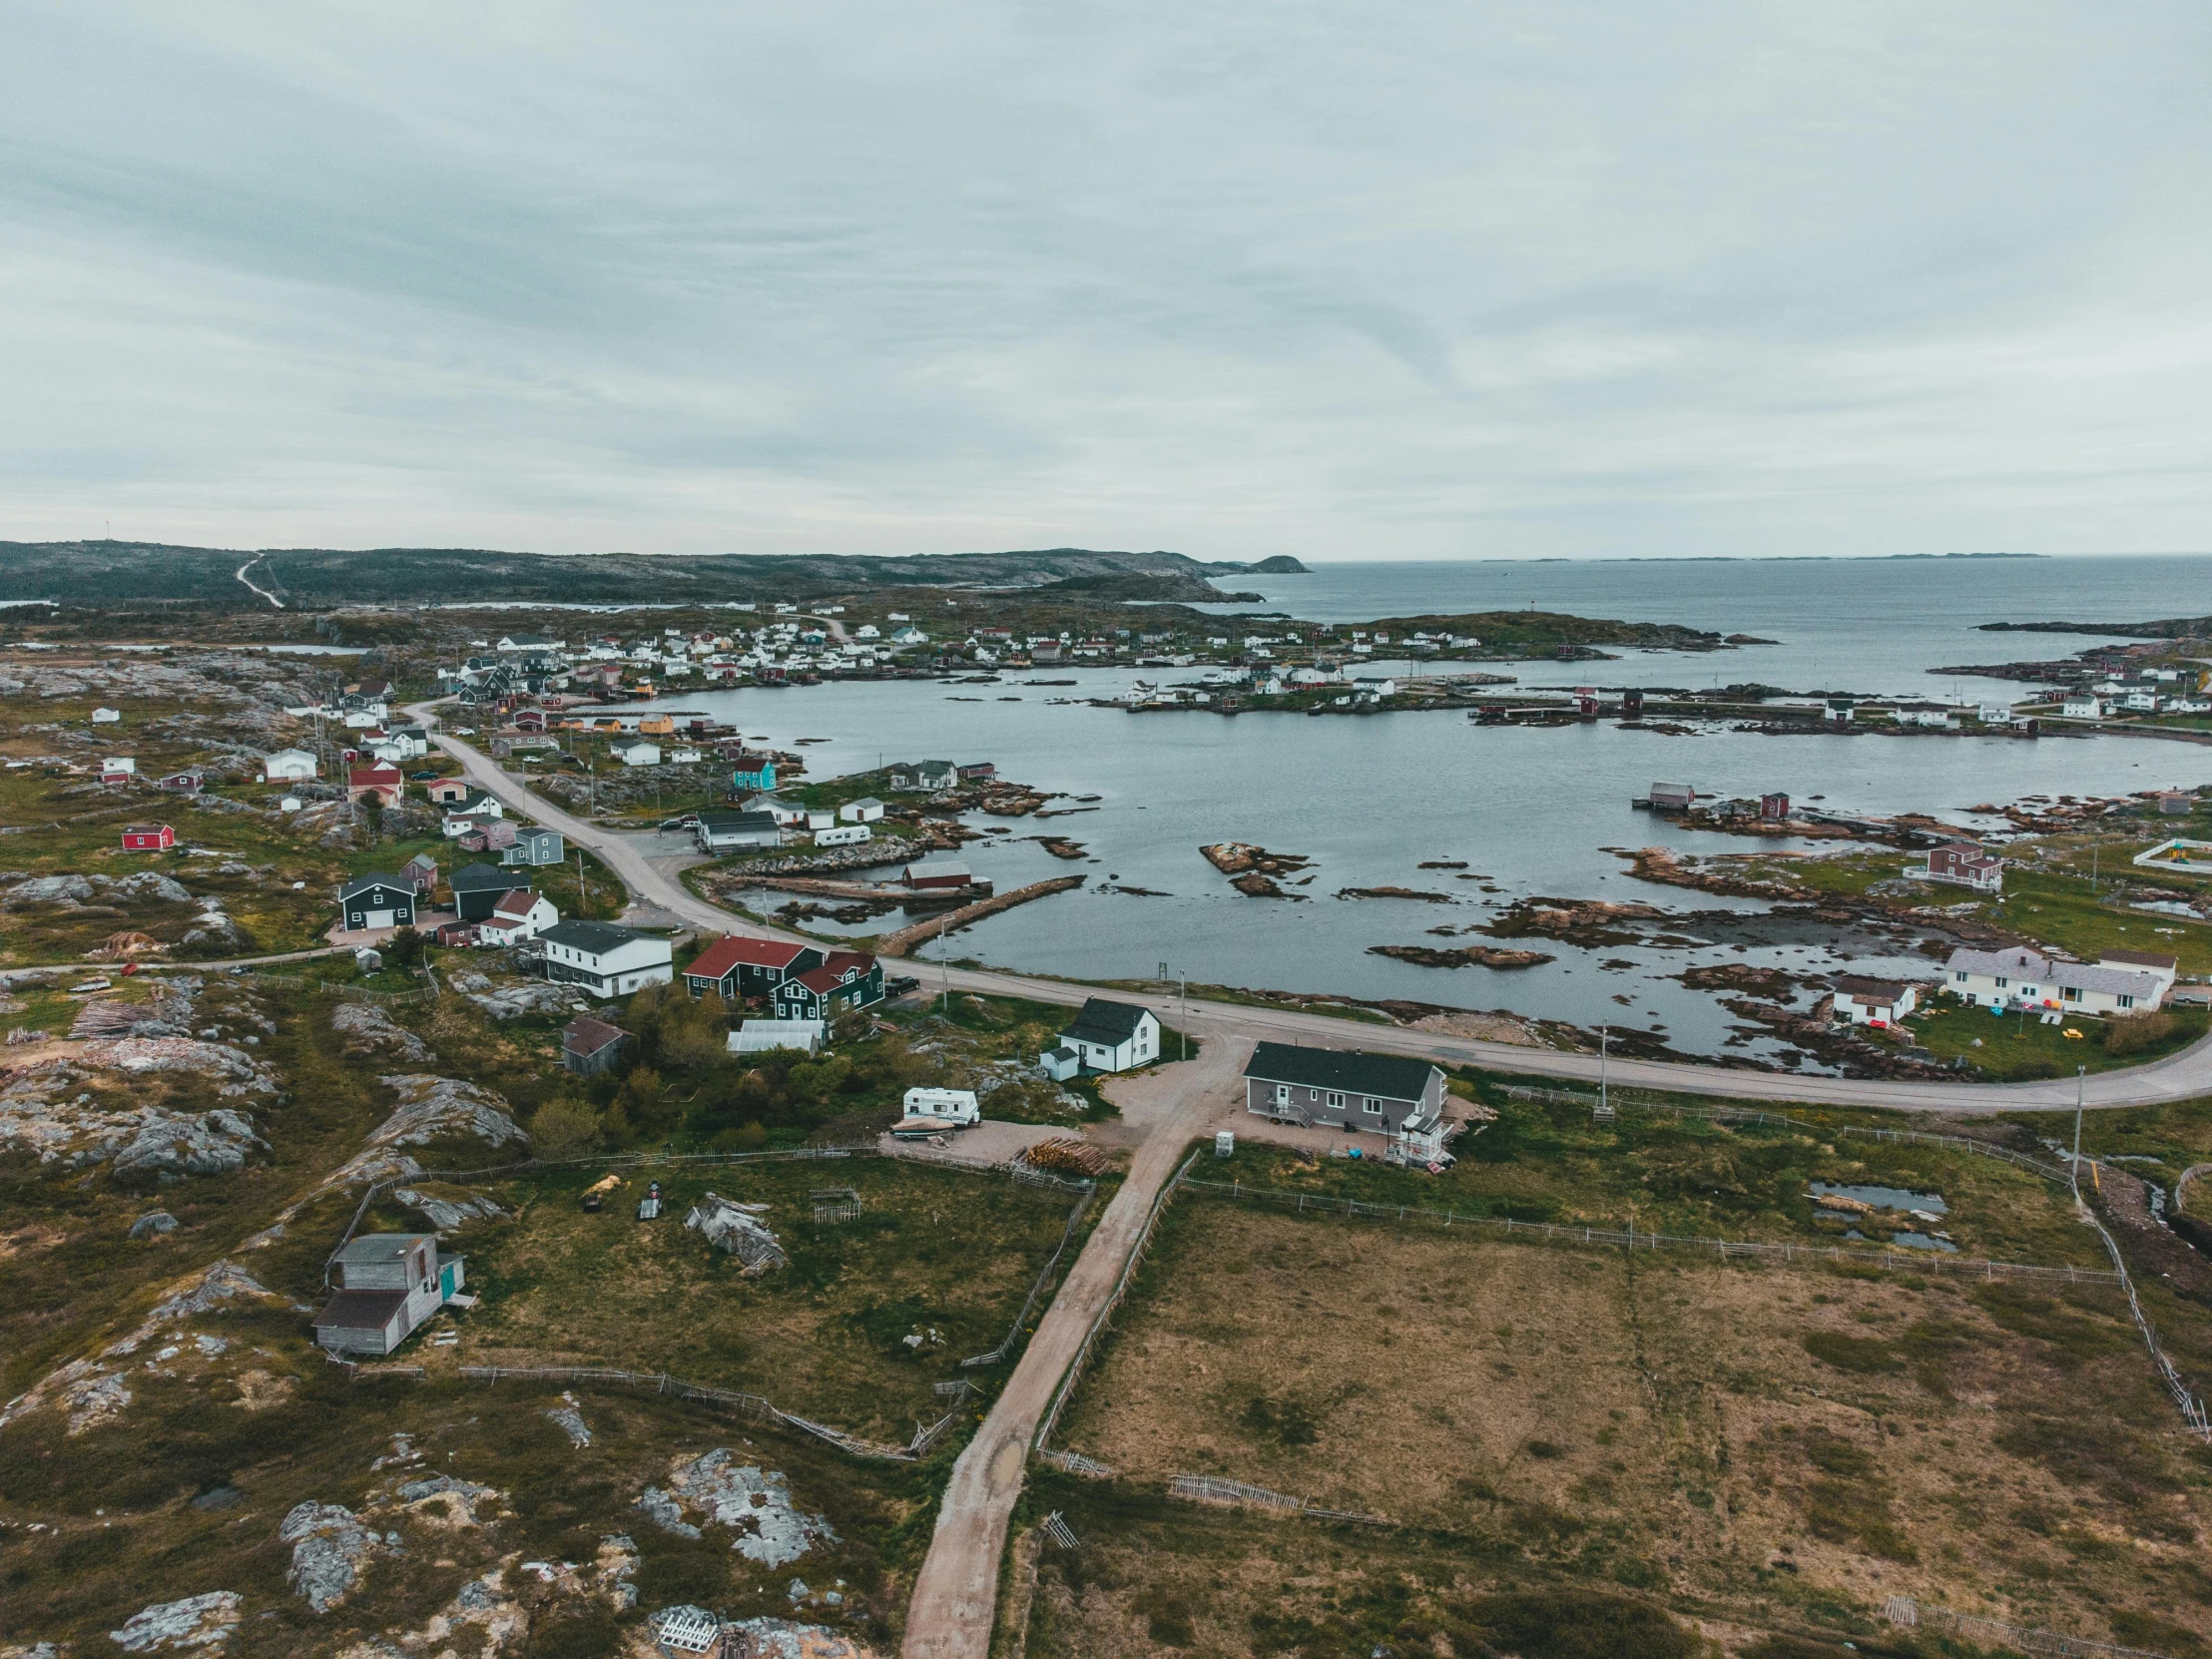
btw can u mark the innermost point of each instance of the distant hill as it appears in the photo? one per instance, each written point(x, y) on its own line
point(314, 578)
point(2169, 628)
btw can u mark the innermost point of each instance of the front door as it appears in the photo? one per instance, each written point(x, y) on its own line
point(445, 1282)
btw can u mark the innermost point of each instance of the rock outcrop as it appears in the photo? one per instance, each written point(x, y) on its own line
point(329, 1548)
point(754, 1505)
point(737, 1228)
point(367, 1029)
point(200, 1621)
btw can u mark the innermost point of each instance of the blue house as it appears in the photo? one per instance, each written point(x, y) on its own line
point(754, 772)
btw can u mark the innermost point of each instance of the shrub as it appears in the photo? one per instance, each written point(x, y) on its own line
point(563, 1128)
point(1577, 1624)
point(1863, 1354)
point(2137, 1032)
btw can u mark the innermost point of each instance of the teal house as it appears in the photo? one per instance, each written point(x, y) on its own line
point(754, 772)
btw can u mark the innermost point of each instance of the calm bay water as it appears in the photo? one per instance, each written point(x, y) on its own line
point(1370, 797)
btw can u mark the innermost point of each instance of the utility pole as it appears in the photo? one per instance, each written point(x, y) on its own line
point(944, 968)
point(1185, 1020)
point(580, 903)
point(1604, 1042)
point(2081, 1085)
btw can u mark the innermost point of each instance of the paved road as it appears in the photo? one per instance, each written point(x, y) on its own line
point(2180, 1076)
point(956, 1592)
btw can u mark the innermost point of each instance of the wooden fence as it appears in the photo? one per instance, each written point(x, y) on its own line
point(752, 1406)
point(1074, 1372)
point(353, 993)
point(1212, 1488)
point(1036, 1290)
point(1903, 1611)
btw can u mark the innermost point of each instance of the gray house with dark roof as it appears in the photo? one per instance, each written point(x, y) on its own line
point(1112, 1036)
point(387, 1284)
point(1333, 1088)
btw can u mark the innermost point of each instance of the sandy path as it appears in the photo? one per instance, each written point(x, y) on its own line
point(956, 1592)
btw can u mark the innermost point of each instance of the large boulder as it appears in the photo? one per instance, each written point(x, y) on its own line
point(151, 883)
point(50, 889)
point(366, 1028)
point(213, 1143)
point(329, 1548)
point(202, 1621)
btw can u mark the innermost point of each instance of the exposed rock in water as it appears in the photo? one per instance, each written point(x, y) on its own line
point(1589, 922)
point(368, 1029)
point(1397, 892)
point(1235, 858)
point(195, 1622)
point(737, 1228)
point(1469, 955)
point(1739, 977)
point(1253, 885)
point(329, 1546)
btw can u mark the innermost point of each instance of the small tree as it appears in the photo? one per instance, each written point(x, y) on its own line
point(564, 1127)
point(404, 947)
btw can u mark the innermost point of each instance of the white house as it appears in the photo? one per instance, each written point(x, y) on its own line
point(866, 809)
point(118, 766)
point(1060, 1063)
point(910, 635)
point(1113, 1036)
point(820, 818)
point(638, 754)
point(603, 957)
point(2081, 706)
point(1373, 688)
point(105, 717)
point(849, 834)
point(520, 916)
point(2017, 977)
point(1994, 714)
point(1874, 1001)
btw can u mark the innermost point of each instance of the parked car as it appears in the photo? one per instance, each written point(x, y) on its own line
point(900, 984)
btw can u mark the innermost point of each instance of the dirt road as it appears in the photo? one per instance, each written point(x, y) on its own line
point(2180, 1076)
point(956, 1592)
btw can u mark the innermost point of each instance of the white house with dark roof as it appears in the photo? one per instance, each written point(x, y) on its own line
point(1112, 1036)
point(2017, 977)
point(1862, 1001)
point(606, 958)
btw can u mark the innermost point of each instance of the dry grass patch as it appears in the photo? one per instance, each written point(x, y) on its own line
point(1775, 1442)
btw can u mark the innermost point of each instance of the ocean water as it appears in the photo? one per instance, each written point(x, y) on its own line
point(1533, 810)
point(1874, 626)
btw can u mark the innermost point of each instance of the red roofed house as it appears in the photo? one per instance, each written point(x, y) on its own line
point(847, 979)
point(147, 837)
point(521, 914)
point(737, 967)
point(381, 781)
point(1963, 864)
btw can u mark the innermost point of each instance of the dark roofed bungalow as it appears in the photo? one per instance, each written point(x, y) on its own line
point(1336, 1088)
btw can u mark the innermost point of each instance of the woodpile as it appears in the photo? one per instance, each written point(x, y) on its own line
point(1066, 1155)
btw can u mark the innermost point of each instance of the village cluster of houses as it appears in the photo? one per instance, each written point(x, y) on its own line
point(2016, 980)
point(2145, 690)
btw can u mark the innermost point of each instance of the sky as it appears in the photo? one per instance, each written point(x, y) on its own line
point(1375, 280)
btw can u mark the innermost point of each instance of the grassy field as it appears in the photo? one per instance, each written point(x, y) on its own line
point(943, 1253)
point(1766, 1450)
point(2008, 1047)
point(1682, 1176)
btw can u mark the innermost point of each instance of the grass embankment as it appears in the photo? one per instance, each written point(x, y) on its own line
point(1778, 1449)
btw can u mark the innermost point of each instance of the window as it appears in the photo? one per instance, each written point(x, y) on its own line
point(2073, 993)
point(2003, 982)
point(2027, 991)
point(1371, 1106)
point(2127, 1003)
point(1961, 978)
point(1336, 1101)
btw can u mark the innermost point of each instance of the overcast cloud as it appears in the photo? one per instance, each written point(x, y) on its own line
point(1371, 281)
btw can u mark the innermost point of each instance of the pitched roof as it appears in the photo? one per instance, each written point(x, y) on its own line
point(724, 823)
point(587, 1036)
point(1388, 1076)
point(1870, 990)
point(516, 905)
point(371, 1249)
point(479, 878)
point(2142, 959)
point(378, 773)
point(359, 1310)
point(596, 937)
point(731, 951)
point(375, 879)
point(2018, 963)
point(1101, 1020)
point(828, 978)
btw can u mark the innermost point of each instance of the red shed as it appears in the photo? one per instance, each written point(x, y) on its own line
point(147, 837)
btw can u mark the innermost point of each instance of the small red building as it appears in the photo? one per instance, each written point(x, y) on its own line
point(1965, 865)
point(1774, 808)
point(382, 782)
point(147, 837)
